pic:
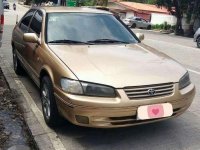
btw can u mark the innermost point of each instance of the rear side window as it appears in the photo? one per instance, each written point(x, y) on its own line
point(36, 23)
point(26, 20)
point(138, 19)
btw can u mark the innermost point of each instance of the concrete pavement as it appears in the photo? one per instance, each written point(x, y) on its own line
point(44, 137)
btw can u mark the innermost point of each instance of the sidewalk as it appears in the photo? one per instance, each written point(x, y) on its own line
point(44, 137)
point(14, 132)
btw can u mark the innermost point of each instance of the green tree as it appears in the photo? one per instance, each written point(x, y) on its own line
point(189, 7)
point(193, 13)
point(179, 8)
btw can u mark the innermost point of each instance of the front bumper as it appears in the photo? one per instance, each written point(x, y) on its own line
point(118, 115)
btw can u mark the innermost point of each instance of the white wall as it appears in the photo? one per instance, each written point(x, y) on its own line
point(161, 18)
point(129, 14)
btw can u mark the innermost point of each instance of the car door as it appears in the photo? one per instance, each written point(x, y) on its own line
point(144, 23)
point(138, 22)
point(18, 34)
point(34, 49)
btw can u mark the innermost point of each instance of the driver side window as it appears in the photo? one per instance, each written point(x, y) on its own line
point(26, 20)
point(36, 23)
point(138, 19)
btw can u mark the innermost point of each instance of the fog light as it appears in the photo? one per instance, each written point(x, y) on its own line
point(82, 119)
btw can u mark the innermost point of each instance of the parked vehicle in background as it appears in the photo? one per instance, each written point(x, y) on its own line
point(197, 37)
point(138, 22)
point(14, 6)
point(1, 21)
point(6, 4)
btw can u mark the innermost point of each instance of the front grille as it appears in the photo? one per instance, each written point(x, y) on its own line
point(149, 91)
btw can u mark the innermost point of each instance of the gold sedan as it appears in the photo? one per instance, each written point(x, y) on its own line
point(94, 71)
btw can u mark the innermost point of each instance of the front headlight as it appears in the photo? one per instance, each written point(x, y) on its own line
point(184, 81)
point(71, 86)
point(91, 89)
point(88, 89)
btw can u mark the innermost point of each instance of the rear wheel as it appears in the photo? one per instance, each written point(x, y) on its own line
point(49, 107)
point(133, 25)
point(16, 64)
point(198, 42)
point(149, 27)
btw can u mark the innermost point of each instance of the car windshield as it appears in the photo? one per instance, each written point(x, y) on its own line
point(84, 28)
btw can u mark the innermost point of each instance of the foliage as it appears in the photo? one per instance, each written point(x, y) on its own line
point(87, 3)
point(163, 26)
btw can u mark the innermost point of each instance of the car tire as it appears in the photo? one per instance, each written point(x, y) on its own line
point(17, 64)
point(133, 25)
point(149, 27)
point(49, 107)
point(198, 42)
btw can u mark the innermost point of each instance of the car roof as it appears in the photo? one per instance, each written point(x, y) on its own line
point(51, 9)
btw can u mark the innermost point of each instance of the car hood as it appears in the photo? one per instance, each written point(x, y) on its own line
point(119, 65)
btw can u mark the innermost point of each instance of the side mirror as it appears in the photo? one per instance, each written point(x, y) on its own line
point(31, 37)
point(140, 36)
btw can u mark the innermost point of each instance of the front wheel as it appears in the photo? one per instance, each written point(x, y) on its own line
point(49, 107)
point(198, 42)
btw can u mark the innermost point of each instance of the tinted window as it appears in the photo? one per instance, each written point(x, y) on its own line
point(86, 27)
point(138, 19)
point(36, 23)
point(26, 20)
point(144, 20)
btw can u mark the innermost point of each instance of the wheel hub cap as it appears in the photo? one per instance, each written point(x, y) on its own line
point(46, 101)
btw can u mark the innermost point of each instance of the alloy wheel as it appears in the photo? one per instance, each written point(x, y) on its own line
point(46, 101)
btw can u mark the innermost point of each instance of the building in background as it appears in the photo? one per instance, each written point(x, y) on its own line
point(152, 13)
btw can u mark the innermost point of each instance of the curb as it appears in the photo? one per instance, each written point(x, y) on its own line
point(151, 31)
point(136, 30)
point(44, 137)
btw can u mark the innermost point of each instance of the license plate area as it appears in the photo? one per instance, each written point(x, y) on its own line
point(154, 111)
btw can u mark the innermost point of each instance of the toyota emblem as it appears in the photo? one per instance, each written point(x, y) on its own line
point(151, 92)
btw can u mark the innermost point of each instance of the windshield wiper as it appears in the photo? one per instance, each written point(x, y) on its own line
point(69, 42)
point(107, 41)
